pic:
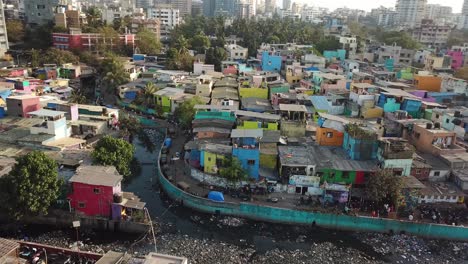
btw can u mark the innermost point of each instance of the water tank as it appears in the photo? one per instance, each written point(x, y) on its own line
point(429, 126)
point(118, 198)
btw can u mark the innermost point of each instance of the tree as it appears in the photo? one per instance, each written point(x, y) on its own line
point(147, 42)
point(216, 56)
point(15, 30)
point(110, 40)
point(35, 58)
point(232, 170)
point(59, 57)
point(185, 112)
point(200, 42)
point(77, 97)
point(39, 37)
point(113, 72)
point(32, 185)
point(115, 152)
point(384, 186)
point(328, 43)
point(399, 38)
point(93, 16)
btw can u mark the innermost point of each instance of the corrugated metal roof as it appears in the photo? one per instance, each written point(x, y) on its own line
point(97, 175)
point(320, 102)
point(247, 133)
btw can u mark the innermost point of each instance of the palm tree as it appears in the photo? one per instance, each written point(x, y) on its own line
point(148, 95)
point(181, 45)
point(77, 97)
point(93, 15)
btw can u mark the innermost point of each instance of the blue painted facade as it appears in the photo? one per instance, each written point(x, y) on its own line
point(410, 105)
point(440, 97)
point(338, 54)
point(360, 149)
point(4, 94)
point(247, 151)
point(271, 62)
point(388, 104)
point(132, 95)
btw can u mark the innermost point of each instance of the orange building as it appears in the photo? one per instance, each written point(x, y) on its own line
point(428, 83)
point(329, 137)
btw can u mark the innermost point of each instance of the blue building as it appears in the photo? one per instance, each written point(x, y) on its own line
point(245, 147)
point(271, 62)
point(360, 143)
point(6, 89)
point(331, 55)
point(412, 106)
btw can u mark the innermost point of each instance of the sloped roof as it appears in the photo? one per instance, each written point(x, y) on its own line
point(97, 175)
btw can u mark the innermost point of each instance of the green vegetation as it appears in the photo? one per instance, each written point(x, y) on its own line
point(232, 171)
point(15, 30)
point(147, 42)
point(384, 186)
point(147, 97)
point(358, 132)
point(186, 111)
point(113, 72)
point(32, 185)
point(77, 97)
point(59, 57)
point(399, 38)
point(116, 152)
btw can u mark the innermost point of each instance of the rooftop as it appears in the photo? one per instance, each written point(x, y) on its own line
point(97, 175)
point(247, 133)
point(216, 148)
point(169, 91)
point(259, 104)
point(155, 258)
point(46, 113)
point(293, 107)
point(6, 247)
point(322, 157)
point(264, 116)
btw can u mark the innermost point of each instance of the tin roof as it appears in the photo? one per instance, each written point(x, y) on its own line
point(97, 175)
point(246, 133)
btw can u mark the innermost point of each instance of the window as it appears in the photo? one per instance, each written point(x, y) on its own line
point(209, 158)
point(329, 134)
point(250, 162)
point(97, 190)
point(345, 175)
point(81, 205)
point(418, 171)
point(436, 173)
point(447, 120)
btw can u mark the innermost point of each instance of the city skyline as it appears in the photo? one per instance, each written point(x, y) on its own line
point(367, 5)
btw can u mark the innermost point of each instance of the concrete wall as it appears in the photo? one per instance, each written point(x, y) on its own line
point(334, 221)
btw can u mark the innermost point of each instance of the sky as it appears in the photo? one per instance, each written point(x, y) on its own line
point(369, 4)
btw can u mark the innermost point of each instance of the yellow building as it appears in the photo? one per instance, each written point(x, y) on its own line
point(212, 156)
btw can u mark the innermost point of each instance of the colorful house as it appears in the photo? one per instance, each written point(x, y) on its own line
point(360, 143)
point(331, 130)
point(164, 97)
point(328, 104)
point(271, 62)
point(412, 106)
point(457, 58)
point(334, 55)
point(325, 82)
point(254, 120)
point(6, 88)
point(429, 83)
point(93, 190)
point(454, 85)
point(22, 105)
point(246, 149)
point(395, 154)
point(269, 149)
point(212, 156)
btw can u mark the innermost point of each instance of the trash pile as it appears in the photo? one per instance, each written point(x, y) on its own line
point(411, 249)
point(232, 221)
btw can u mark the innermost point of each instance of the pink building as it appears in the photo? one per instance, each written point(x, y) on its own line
point(93, 190)
point(22, 105)
point(457, 58)
point(424, 96)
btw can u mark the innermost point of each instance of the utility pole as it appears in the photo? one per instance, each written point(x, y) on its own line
point(152, 229)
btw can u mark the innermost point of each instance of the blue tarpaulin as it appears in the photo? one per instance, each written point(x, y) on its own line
point(216, 196)
point(168, 142)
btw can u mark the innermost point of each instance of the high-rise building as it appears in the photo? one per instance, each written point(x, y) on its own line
point(384, 16)
point(145, 4)
point(226, 7)
point(39, 12)
point(286, 4)
point(209, 7)
point(430, 34)
point(197, 8)
point(270, 6)
point(184, 6)
point(435, 12)
point(410, 12)
point(247, 8)
point(465, 8)
point(3, 31)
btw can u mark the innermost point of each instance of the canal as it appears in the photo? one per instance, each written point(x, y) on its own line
point(261, 236)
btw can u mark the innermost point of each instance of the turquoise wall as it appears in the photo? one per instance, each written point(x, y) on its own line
point(281, 215)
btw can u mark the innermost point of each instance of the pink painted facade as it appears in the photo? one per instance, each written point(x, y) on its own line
point(93, 200)
point(457, 58)
point(22, 105)
point(339, 85)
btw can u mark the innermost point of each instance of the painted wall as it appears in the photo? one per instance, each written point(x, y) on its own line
point(404, 164)
point(289, 216)
point(293, 129)
point(337, 176)
point(209, 161)
point(329, 137)
point(246, 155)
point(94, 204)
point(427, 83)
point(253, 93)
point(258, 124)
point(270, 62)
point(358, 149)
